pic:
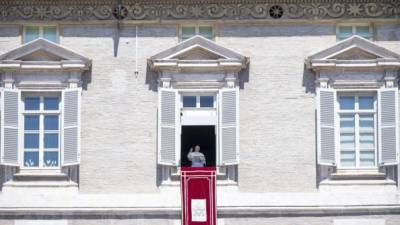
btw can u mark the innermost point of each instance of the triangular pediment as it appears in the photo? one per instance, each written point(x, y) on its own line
point(354, 51)
point(198, 52)
point(355, 45)
point(41, 55)
point(42, 50)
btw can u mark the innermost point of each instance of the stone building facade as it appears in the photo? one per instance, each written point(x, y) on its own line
point(298, 100)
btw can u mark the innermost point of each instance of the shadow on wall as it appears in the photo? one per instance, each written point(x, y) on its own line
point(308, 80)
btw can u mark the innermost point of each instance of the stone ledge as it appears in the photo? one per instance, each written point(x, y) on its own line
point(172, 212)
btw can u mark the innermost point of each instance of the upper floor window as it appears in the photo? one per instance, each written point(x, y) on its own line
point(34, 32)
point(346, 31)
point(357, 113)
point(41, 131)
point(199, 101)
point(190, 31)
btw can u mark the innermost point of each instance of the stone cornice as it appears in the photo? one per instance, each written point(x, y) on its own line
point(90, 10)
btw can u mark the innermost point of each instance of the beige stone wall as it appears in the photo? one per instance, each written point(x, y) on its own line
point(277, 105)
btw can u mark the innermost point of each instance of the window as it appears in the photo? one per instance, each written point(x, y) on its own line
point(41, 131)
point(190, 31)
point(34, 32)
point(199, 101)
point(357, 115)
point(346, 31)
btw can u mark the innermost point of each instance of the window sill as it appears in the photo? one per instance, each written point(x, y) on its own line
point(40, 175)
point(358, 174)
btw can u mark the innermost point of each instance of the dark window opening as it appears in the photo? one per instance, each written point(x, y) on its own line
point(204, 136)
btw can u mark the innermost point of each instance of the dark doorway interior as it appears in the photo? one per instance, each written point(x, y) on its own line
point(204, 136)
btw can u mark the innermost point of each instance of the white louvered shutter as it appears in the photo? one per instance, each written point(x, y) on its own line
point(9, 130)
point(168, 127)
point(71, 126)
point(388, 122)
point(326, 99)
point(229, 126)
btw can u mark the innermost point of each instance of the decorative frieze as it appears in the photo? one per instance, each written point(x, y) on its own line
point(197, 10)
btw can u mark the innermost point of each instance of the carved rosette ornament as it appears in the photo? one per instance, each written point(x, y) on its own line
point(75, 10)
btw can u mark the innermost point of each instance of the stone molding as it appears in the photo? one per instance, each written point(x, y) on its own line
point(90, 10)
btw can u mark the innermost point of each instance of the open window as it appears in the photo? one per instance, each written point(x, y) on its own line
point(198, 105)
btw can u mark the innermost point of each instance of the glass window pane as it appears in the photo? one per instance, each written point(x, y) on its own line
point(31, 123)
point(32, 103)
point(367, 158)
point(189, 101)
point(345, 32)
point(347, 124)
point(31, 159)
point(206, 32)
point(31, 141)
point(366, 102)
point(346, 102)
point(51, 122)
point(50, 140)
point(367, 123)
point(51, 103)
point(348, 159)
point(367, 142)
point(206, 101)
point(31, 33)
point(188, 32)
point(50, 159)
point(50, 33)
point(347, 142)
point(363, 31)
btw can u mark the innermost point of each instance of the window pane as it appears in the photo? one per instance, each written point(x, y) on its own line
point(50, 140)
point(31, 123)
point(367, 142)
point(31, 159)
point(31, 33)
point(188, 32)
point(346, 102)
point(50, 159)
point(32, 103)
point(345, 32)
point(363, 31)
point(50, 33)
point(51, 122)
point(206, 101)
point(189, 101)
point(366, 102)
point(347, 124)
point(51, 103)
point(348, 159)
point(367, 158)
point(347, 140)
point(31, 141)
point(206, 32)
point(367, 123)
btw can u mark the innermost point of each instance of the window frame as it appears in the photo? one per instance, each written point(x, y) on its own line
point(356, 112)
point(198, 95)
point(41, 112)
point(353, 29)
point(40, 26)
point(196, 29)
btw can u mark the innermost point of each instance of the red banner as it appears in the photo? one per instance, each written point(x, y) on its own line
point(198, 196)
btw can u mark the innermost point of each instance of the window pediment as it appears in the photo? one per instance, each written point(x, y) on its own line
point(43, 55)
point(354, 52)
point(198, 53)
